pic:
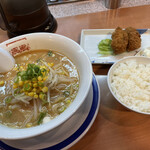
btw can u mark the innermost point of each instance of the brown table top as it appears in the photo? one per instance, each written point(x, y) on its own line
point(115, 127)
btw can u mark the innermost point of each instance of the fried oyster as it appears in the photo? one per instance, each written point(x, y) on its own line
point(134, 39)
point(119, 41)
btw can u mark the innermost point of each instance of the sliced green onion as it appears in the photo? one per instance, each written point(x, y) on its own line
point(66, 93)
point(18, 66)
point(16, 80)
point(26, 87)
point(38, 60)
point(68, 102)
point(34, 79)
point(44, 102)
point(43, 97)
point(36, 69)
point(33, 71)
point(41, 117)
point(35, 75)
point(41, 84)
point(8, 113)
point(50, 53)
point(29, 72)
point(43, 70)
point(8, 100)
point(21, 73)
point(24, 77)
point(16, 91)
point(61, 109)
point(31, 65)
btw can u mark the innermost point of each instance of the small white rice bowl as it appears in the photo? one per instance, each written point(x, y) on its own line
point(129, 82)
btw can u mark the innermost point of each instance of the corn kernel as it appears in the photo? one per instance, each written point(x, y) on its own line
point(51, 64)
point(27, 81)
point(62, 73)
point(43, 73)
point(45, 89)
point(68, 101)
point(36, 96)
point(20, 83)
point(15, 68)
point(41, 84)
point(34, 89)
point(35, 85)
point(26, 93)
point(34, 80)
point(41, 96)
point(39, 78)
point(30, 84)
point(34, 93)
point(15, 86)
point(31, 94)
point(38, 91)
point(28, 125)
point(22, 90)
point(45, 78)
point(9, 107)
point(21, 67)
point(43, 67)
point(1, 83)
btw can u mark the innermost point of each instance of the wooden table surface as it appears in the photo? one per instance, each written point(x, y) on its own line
point(115, 127)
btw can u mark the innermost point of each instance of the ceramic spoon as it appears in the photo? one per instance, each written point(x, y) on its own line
point(7, 61)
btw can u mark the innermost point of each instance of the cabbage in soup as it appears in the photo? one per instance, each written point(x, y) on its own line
point(41, 86)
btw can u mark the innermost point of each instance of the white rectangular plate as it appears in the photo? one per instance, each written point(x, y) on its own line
point(90, 39)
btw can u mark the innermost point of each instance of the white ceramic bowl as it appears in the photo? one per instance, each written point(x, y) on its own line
point(139, 60)
point(63, 45)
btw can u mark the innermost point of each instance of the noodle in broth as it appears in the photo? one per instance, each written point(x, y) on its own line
point(41, 86)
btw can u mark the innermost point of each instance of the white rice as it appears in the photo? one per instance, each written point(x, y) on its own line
point(131, 84)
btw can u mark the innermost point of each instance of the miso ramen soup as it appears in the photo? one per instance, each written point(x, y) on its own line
point(41, 86)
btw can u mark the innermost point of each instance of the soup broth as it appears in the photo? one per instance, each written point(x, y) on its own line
point(41, 86)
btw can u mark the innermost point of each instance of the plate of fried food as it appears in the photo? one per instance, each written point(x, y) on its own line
point(106, 46)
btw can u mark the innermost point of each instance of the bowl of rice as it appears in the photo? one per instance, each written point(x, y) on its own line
point(129, 82)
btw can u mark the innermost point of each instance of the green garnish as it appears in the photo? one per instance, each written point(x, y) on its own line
point(16, 80)
point(41, 84)
point(18, 66)
point(50, 53)
point(16, 91)
point(105, 47)
point(33, 71)
point(8, 100)
point(43, 70)
point(44, 102)
point(27, 87)
point(38, 60)
point(41, 117)
point(8, 113)
point(24, 77)
point(66, 93)
point(62, 109)
point(31, 82)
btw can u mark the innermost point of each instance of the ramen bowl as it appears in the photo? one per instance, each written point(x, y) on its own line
point(129, 84)
point(66, 46)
